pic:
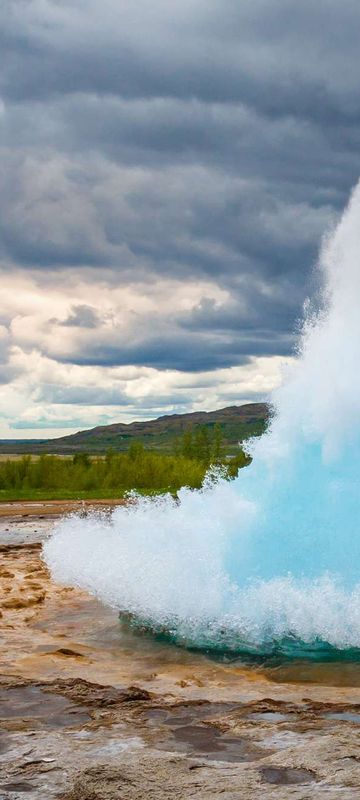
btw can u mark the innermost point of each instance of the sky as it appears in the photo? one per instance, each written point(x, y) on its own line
point(167, 173)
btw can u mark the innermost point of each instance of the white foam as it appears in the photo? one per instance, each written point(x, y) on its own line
point(277, 552)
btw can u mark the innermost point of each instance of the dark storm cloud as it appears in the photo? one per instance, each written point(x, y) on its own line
point(283, 57)
point(211, 141)
point(271, 316)
point(189, 352)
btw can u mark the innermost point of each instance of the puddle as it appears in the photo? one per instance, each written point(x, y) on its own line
point(269, 716)
point(42, 709)
point(210, 743)
point(182, 714)
point(337, 673)
point(185, 719)
point(345, 716)
point(189, 735)
point(18, 787)
point(200, 738)
point(286, 776)
point(156, 715)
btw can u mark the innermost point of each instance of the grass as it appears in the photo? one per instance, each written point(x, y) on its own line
point(18, 495)
point(34, 456)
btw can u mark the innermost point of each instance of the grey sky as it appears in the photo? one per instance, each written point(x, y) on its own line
point(193, 153)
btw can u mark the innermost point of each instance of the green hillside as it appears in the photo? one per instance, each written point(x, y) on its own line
point(237, 424)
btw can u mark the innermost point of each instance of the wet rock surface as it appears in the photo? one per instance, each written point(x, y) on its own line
point(285, 776)
point(89, 711)
point(30, 706)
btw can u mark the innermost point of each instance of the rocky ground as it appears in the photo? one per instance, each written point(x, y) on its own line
point(90, 711)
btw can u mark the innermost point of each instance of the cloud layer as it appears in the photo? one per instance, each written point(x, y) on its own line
point(167, 171)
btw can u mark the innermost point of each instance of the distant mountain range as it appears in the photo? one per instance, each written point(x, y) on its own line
point(237, 423)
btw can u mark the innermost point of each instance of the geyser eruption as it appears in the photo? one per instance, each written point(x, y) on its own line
point(270, 561)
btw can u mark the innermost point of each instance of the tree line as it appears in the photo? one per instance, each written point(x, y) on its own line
point(117, 473)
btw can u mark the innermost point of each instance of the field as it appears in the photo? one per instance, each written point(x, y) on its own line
point(84, 477)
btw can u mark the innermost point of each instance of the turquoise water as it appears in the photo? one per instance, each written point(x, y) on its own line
point(268, 565)
point(308, 518)
point(229, 648)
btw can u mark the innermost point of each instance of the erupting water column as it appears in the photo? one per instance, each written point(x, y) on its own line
point(272, 560)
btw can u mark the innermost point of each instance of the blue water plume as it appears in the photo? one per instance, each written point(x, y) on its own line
point(269, 562)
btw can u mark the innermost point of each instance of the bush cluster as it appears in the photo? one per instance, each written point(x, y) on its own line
point(112, 475)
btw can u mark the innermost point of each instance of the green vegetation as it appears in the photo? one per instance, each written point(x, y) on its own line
point(87, 477)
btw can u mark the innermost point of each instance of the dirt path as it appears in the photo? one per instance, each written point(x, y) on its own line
point(52, 508)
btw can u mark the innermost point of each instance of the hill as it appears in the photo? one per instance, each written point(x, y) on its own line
point(237, 423)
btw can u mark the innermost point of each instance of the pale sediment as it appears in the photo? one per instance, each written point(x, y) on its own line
point(71, 728)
